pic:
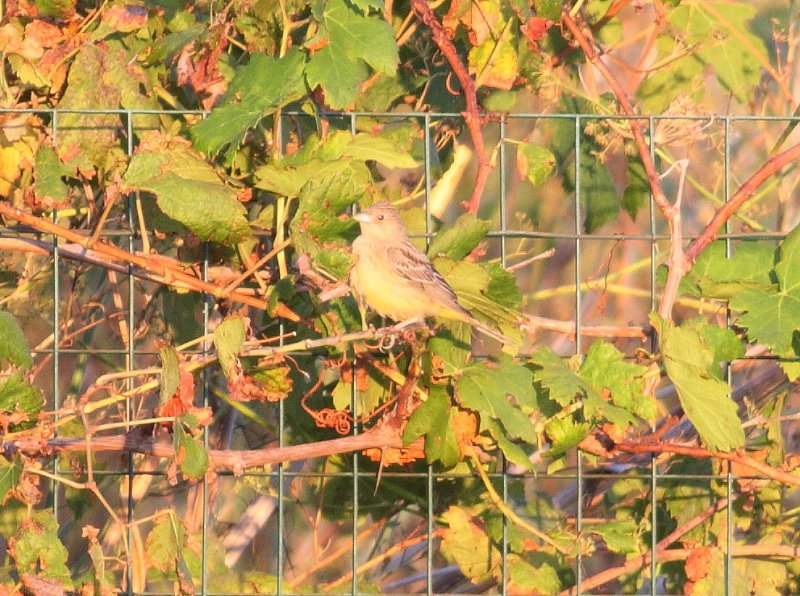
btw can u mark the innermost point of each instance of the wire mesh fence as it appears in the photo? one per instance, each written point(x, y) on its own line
point(344, 523)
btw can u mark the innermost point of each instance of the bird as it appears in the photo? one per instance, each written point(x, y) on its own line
point(395, 279)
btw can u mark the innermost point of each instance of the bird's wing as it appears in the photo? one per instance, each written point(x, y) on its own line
point(411, 264)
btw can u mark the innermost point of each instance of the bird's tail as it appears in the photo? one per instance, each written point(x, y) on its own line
point(489, 331)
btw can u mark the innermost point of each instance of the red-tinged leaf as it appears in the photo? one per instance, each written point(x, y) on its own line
point(125, 17)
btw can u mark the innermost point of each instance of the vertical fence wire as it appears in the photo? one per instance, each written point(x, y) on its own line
point(280, 475)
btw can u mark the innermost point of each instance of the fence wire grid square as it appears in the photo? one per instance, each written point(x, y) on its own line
point(266, 521)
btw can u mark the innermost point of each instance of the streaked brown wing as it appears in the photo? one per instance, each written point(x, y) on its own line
point(412, 265)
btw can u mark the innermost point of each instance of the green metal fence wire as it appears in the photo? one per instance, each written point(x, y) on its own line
point(589, 256)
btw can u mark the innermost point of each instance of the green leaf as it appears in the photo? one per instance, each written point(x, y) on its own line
point(37, 550)
point(620, 536)
point(166, 542)
point(495, 62)
point(772, 314)
point(10, 475)
point(705, 399)
point(18, 396)
point(472, 283)
point(58, 9)
point(716, 276)
point(188, 190)
point(352, 40)
point(511, 451)
point(525, 578)
point(606, 370)
point(364, 147)
point(170, 374)
point(558, 377)
point(452, 347)
point(258, 89)
point(675, 77)
point(94, 81)
point(229, 338)
point(13, 347)
point(50, 189)
point(598, 193)
point(565, 434)
point(724, 343)
point(686, 494)
point(433, 420)
point(535, 163)
point(724, 42)
point(498, 391)
point(637, 193)
point(460, 239)
point(339, 77)
point(466, 543)
point(190, 453)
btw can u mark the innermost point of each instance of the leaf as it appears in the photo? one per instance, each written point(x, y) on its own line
point(525, 578)
point(535, 163)
point(190, 453)
point(274, 380)
point(472, 283)
point(495, 62)
point(10, 475)
point(565, 434)
point(637, 193)
point(365, 147)
point(606, 370)
point(170, 374)
point(498, 391)
point(724, 344)
point(36, 549)
point(619, 536)
point(598, 194)
point(511, 451)
point(558, 378)
point(257, 90)
point(13, 347)
point(433, 420)
point(94, 80)
point(51, 191)
point(716, 276)
point(187, 189)
point(466, 543)
point(460, 239)
point(725, 43)
point(21, 400)
point(229, 338)
point(352, 41)
point(166, 542)
point(772, 314)
point(704, 398)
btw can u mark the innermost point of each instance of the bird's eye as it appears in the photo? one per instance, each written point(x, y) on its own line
point(380, 217)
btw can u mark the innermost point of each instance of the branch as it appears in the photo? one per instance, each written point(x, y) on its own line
point(472, 116)
point(378, 437)
point(170, 271)
point(724, 213)
point(735, 457)
point(672, 213)
point(532, 324)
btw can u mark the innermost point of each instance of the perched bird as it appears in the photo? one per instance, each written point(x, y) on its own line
point(396, 279)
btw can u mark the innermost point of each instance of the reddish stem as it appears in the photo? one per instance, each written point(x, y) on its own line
point(472, 115)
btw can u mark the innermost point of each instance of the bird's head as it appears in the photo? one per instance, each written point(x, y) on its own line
point(381, 220)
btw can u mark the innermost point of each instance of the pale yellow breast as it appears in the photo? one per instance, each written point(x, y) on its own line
point(382, 289)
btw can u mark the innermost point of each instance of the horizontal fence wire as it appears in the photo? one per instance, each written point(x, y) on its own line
point(589, 256)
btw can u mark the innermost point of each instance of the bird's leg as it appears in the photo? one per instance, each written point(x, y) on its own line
point(409, 324)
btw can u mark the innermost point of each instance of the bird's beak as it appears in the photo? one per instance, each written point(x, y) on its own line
point(362, 217)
